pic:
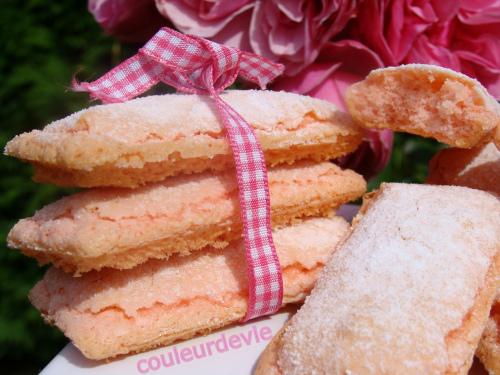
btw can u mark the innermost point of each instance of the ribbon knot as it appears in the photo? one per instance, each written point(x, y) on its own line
point(193, 65)
point(190, 64)
point(198, 66)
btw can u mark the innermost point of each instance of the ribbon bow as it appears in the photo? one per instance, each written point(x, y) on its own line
point(199, 66)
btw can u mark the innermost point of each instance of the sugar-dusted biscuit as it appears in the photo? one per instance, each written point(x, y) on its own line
point(121, 228)
point(478, 168)
point(148, 139)
point(426, 100)
point(488, 350)
point(110, 312)
point(408, 292)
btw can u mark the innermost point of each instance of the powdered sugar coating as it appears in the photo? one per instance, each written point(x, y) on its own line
point(174, 116)
point(111, 312)
point(185, 128)
point(394, 297)
point(207, 273)
point(121, 228)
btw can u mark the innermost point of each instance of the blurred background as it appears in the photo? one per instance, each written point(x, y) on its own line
point(43, 45)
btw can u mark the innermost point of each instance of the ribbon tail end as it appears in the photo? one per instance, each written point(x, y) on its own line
point(78, 86)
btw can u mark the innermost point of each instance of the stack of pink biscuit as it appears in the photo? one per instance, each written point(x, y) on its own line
point(152, 252)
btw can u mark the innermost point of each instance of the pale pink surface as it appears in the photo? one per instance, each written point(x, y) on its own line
point(406, 292)
point(208, 273)
point(114, 312)
point(182, 116)
point(425, 100)
point(110, 220)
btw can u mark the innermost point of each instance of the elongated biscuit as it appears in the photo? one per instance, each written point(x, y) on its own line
point(111, 312)
point(478, 168)
point(488, 350)
point(426, 100)
point(148, 139)
point(408, 292)
point(121, 228)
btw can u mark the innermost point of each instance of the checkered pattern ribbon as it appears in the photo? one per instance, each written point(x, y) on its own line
point(198, 66)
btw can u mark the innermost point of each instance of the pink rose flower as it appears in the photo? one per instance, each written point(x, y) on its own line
point(461, 35)
point(224, 21)
point(476, 42)
point(129, 20)
point(290, 32)
point(391, 27)
point(339, 65)
point(293, 32)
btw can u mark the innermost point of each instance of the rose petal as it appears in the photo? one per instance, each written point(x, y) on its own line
point(293, 9)
point(129, 20)
point(236, 33)
point(369, 26)
point(293, 31)
point(186, 18)
point(372, 156)
point(287, 41)
point(338, 65)
point(424, 52)
point(308, 79)
point(487, 73)
point(477, 12)
point(220, 9)
point(334, 88)
point(258, 32)
point(407, 23)
point(446, 10)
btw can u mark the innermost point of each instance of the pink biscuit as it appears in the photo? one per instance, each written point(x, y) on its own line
point(121, 228)
point(148, 139)
point(426, 100)
point(478, 168)
point(408, 292)
point(113, 312)
point(488, 350)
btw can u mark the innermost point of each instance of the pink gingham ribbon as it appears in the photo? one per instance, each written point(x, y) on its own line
point(199, 66)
